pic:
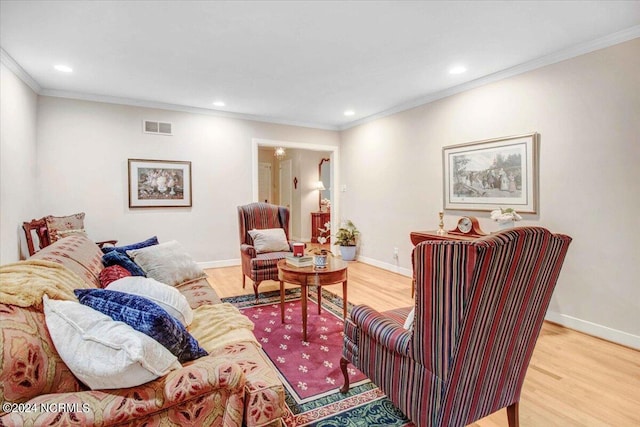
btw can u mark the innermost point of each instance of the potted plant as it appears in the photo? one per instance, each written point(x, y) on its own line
point(346, 238)
point(505, 217)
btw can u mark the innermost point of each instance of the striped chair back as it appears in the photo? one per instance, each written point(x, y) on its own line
point(261, 216)
point(479, 309)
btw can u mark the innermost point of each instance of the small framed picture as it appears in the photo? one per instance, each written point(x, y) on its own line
point(159, 183)
point(492, 174)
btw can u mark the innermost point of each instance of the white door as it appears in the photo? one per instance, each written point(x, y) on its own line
point(264, 182)
point(285, 183)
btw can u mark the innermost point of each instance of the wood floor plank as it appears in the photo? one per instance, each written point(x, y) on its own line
point(573, 379)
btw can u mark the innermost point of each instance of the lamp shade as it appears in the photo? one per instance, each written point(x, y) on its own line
point(320, 186)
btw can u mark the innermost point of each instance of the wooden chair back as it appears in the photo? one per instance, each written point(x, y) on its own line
point(37, 235)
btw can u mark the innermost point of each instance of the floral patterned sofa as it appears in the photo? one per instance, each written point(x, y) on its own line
point(234, 385)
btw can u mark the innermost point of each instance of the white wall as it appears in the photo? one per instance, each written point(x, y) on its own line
point(83, 149)
point(18, 195)
point(587, 111)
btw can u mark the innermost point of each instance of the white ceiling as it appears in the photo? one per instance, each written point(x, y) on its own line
point(303, 62)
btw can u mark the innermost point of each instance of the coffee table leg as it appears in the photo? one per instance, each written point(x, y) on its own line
point(304, 312)
point(319, 299)
point(282, 301)
point(344, 299)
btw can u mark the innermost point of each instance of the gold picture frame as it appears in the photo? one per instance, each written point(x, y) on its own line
point(491, 174)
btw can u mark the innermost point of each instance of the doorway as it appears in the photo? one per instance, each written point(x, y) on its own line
point(297, 175)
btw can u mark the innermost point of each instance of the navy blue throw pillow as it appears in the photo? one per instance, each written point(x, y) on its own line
point(144, 316)
point(116, 258)
point(123, 249)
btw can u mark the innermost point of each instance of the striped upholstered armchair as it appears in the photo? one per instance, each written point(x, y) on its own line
point(478, 312)
point(259, 266)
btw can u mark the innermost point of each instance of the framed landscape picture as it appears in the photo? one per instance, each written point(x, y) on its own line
point(492, 174)
point(159, 183)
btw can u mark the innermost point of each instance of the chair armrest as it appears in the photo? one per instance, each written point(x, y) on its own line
point(383, 330)
point(248, 250)
point(173, 393)
point(106, 242)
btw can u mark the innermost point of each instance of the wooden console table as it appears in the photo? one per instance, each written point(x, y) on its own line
point(318, 220)
point(421, 236)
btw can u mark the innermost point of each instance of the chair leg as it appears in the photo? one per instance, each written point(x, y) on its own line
point(255, 289)
point(513, 414)
point(343, 366)
point(244, 279)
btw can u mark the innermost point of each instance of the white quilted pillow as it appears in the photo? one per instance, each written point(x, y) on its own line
point(165, 296)
point(103, 353)
point(167, 262)
point(269, 240)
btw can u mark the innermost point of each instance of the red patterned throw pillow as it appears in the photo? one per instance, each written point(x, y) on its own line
point(62, 226)
point(111, 274)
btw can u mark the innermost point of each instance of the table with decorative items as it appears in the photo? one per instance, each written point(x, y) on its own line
point(467, 228)
point(335, 271)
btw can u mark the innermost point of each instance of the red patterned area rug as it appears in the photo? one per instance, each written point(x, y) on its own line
point(310, 370)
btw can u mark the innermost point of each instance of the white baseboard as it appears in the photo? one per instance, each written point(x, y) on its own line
point(220, 264)
point(386, 266)
point(590, 328)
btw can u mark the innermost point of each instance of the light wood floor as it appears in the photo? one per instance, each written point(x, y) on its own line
point(573, 379)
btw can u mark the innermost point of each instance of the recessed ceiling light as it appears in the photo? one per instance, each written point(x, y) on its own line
point(349, 113)
point(458, 69)
point(219, 104)
point(63, 68)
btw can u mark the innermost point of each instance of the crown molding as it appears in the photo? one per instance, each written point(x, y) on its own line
point(177, 107)
point(577, 50)
point(11, 64)
point(553, 58)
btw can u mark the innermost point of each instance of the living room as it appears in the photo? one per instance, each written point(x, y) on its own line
point(62, 154)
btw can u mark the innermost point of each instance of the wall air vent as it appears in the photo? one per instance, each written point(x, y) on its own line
point(158, 128)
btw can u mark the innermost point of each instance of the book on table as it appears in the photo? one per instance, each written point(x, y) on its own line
point(299, 261)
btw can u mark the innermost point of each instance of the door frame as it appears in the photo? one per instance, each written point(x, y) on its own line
point(334, 151)
point(288, 164)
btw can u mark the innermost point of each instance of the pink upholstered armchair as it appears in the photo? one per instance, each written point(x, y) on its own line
point(478, 312)
point(260, 266)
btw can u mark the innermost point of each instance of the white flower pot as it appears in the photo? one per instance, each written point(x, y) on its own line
point(348, 253)
point(506, 225)
point(320, 261)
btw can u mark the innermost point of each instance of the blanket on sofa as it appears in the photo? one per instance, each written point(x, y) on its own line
point(218, 325)
point(25, 282)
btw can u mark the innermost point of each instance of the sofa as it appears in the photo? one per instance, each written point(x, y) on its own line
point(233, 385)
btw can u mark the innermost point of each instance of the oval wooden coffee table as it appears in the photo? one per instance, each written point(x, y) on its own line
point(335, 272)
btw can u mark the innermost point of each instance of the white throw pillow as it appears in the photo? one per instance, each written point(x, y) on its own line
point(103, 353)
point(269, 240)
point(165, 296)
point(167, 262)
point(408, 324)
